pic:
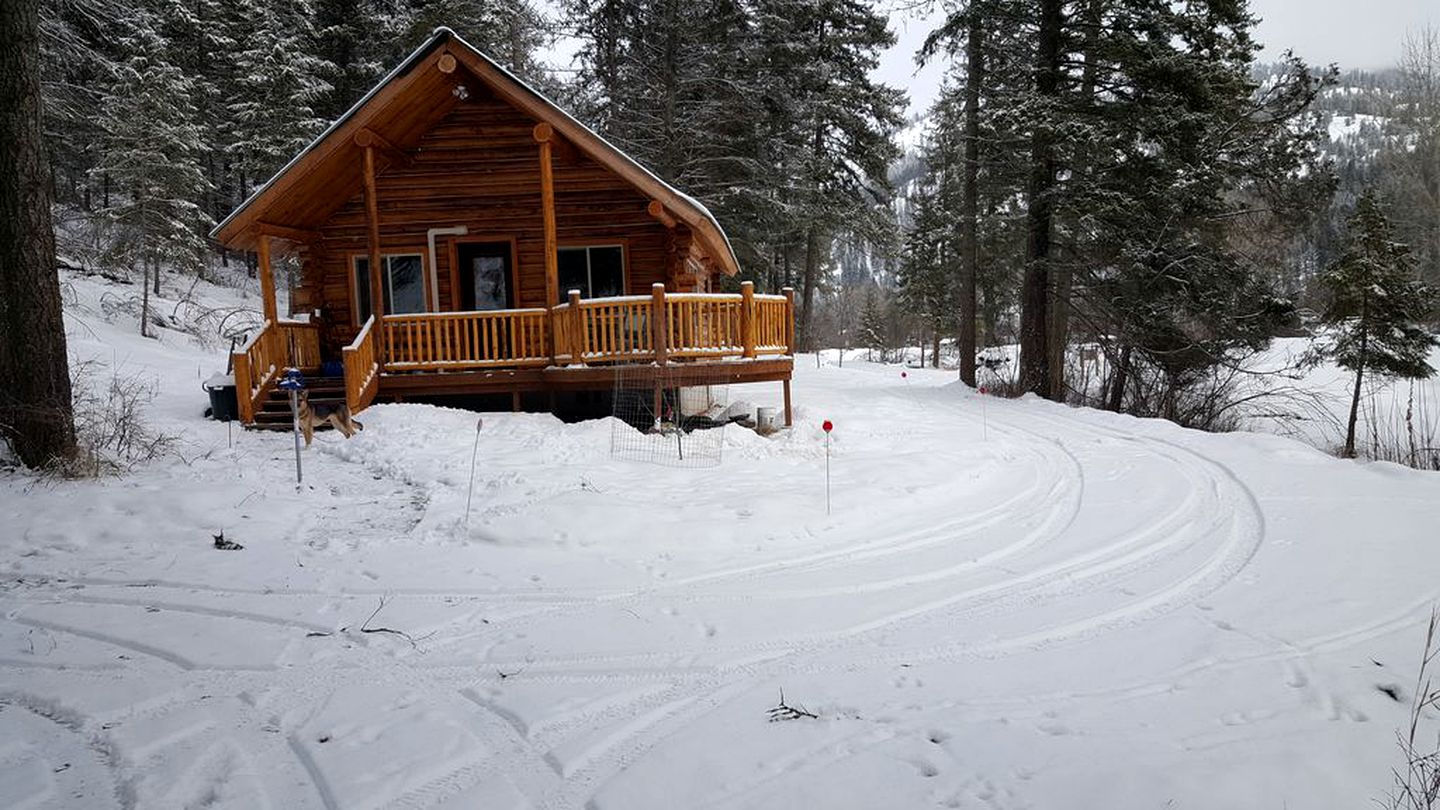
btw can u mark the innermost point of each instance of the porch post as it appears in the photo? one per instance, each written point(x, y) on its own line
point(543, 133)
point(267, 280)
point(372, 223)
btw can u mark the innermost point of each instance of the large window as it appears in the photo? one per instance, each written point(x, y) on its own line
point(403, 283)
point(597, 272)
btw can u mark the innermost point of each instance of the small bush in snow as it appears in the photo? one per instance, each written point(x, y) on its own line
point(110, 422)
point(1417, 782)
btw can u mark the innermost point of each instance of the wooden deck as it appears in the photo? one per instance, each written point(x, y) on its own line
point(576, 346)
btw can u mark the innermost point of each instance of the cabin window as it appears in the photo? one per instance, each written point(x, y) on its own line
point(597, 271)
point(404, 284)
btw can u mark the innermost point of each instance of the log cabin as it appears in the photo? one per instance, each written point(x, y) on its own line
point(457, 233)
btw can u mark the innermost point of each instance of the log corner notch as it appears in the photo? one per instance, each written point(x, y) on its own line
point(657, 210)
point(367, 138)
point(446, 63)
point(543, 134)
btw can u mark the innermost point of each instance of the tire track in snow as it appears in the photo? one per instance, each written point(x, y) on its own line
point(1243, 539)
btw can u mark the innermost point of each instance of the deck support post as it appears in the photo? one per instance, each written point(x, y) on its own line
point(372, 232)
point(658, 341)
point(267, 280)
point(789, 293)
point(515, 401)
point(747, 319)
point(543, 133)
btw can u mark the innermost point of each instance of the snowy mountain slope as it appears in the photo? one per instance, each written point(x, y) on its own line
point(1012, 604)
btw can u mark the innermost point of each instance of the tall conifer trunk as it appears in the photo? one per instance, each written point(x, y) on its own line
point(970, 201)
point(1035, 288)
point(35, 407)
point(1359, 376)
point(807, 292)
point(1064, 272)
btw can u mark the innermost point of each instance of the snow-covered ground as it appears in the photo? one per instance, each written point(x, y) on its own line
point(1012, 604)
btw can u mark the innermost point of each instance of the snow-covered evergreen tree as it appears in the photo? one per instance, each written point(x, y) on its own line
point(512, 32)
point(1377, 305)
point(278, 83)
point(151, 149)
point(1145, 142)
point(200, 37)
point(873, 327)
point(833, 121)
point(356, 41)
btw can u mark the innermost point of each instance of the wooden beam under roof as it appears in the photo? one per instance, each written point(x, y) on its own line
point(302, 236)
point(367, 138)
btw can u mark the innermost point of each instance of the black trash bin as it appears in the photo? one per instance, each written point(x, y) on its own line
point(223, 404)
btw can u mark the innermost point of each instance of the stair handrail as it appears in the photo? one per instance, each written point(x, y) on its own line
point(362, 367)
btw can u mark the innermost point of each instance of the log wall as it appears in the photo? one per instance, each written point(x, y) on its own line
point(479, 167)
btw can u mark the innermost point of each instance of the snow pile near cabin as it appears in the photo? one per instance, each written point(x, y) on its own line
point(1012, 604)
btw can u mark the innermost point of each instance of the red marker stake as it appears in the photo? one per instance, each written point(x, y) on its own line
point(827, 426)
point(984, 425)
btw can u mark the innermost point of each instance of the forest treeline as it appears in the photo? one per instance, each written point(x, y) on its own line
point(1115, 174)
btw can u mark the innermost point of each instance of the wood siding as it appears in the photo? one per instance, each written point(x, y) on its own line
point(479, 167)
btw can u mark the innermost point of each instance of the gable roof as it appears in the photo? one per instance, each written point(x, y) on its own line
point(326, 173)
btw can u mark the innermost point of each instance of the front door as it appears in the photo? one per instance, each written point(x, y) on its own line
point(484, 276)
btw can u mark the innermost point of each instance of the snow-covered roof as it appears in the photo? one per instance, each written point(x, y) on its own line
point(600, 149)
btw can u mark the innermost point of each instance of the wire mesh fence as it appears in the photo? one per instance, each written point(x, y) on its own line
point(668, 415)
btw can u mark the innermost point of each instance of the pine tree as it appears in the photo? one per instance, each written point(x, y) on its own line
point(79, 49)
point(355, 41)
point(151, 148)
point(278, 84)
point(512, 33)
point(834, 119)
point(676, 85)
point(1376, 308)
point(927, 275)
point(200, 40)
point(1145, 142)
point(1410, 160)
point(872, 324)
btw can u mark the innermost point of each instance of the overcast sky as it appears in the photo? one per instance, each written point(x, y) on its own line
point(1352, 33)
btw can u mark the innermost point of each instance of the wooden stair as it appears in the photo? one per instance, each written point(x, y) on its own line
point(274, 413)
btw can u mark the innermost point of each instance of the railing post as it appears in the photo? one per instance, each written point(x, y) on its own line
point(241, 369)
point(747, 318)
point(579, 340)
point(659, 334)
point(789, 293)
point(659, 343)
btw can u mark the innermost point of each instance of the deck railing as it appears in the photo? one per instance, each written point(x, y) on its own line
point(774, 325)
point(604, 329)
point(455, 341)
point(664, 326)
point(273, 348)
point(701, 325)
point(362, 367)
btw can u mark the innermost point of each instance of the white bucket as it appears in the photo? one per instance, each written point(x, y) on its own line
point(765, 418)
